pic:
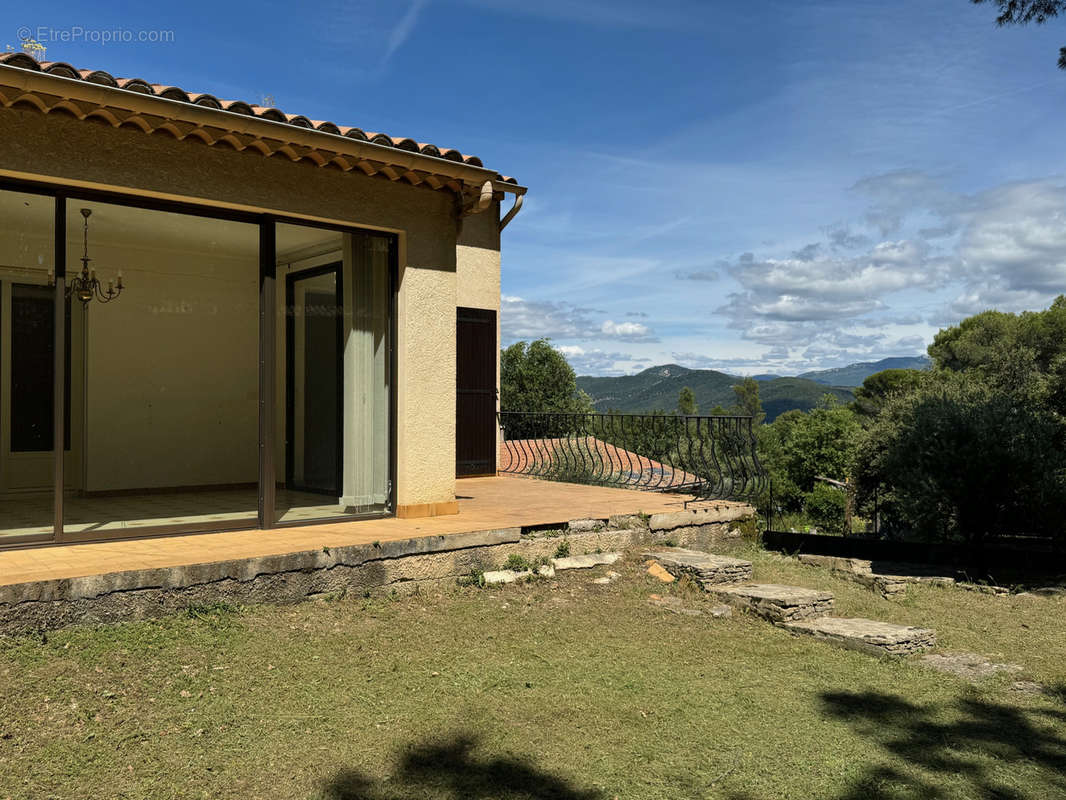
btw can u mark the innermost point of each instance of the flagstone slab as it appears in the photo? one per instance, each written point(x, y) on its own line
point(867, 635)
point(971, 666)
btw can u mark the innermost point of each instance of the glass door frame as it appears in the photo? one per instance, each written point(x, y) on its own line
point(336, 268)
point(267, 367)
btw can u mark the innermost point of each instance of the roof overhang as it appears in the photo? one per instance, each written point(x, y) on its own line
point(124, 108)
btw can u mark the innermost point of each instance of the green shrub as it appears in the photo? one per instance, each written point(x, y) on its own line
point(517, 563)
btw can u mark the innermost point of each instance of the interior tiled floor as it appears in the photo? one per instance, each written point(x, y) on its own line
point(484, 504)
point(30, 513)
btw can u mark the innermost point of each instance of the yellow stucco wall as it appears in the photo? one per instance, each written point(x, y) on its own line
point(67, 150)
point(477, 271)
point(477, 260)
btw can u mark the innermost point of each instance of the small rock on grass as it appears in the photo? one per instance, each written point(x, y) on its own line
point(656, 570)
point(673, 604)
point(504, 576)
point(1045, 591)
point(510, 576)
point(722, 611)
point(610, 577)
point(1027, 687)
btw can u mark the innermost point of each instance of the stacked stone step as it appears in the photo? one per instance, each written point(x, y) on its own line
point(707, 569)
point(889, 580)
point(795, 608)
point(777, 603)
point(867, 635)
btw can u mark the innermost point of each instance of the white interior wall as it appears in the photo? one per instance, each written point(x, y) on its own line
point(171, 367)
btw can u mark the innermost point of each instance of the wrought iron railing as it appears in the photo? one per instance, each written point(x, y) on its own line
point(711, 457)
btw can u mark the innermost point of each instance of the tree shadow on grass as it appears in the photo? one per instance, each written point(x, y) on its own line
point(965, 739)
point(451, 769)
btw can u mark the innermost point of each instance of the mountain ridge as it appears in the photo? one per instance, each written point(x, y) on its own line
point(855, 374)
point(657, 388)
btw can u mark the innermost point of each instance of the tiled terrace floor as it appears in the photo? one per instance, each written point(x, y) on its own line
point(484, 504)
point(31, 513)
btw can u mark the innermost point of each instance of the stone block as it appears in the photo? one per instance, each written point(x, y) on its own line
point(701, 515)
point(585, 561)
point(497, 576)
point(628, 522)
point(580, 525)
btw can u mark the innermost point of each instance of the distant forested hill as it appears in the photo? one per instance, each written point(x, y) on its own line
point(855, 374)
point(657, 388)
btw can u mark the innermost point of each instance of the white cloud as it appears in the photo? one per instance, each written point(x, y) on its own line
point(529, 319)
point(664, 15)
point(625, 330)
point(819, 288)
point(1000, 248)
point(398, 35)
point(598, 362)
point(1012, 248)
point(698, 275)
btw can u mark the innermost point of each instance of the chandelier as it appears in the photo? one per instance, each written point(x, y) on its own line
point(85, 285)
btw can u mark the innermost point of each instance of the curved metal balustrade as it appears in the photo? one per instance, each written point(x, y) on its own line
point(710, 457)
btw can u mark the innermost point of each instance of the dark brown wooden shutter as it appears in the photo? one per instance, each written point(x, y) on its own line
point(475, 383)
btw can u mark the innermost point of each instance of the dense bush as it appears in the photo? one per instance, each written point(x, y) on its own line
point(797, 447)
point(965, 457)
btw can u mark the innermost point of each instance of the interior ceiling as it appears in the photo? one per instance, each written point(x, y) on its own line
point(139, 227)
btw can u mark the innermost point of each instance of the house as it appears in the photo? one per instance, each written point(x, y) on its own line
point(215, 315)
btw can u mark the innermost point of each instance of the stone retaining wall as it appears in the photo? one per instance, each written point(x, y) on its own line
point(397, 565)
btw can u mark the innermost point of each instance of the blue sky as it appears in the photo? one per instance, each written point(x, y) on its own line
point(764, 187)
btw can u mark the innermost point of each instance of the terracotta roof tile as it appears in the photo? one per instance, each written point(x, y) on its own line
point(59, 68)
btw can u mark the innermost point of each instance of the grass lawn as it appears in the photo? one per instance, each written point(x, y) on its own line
point(546, 690)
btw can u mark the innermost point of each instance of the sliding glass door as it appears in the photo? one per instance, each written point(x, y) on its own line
point(334, 409)
point(197, 369)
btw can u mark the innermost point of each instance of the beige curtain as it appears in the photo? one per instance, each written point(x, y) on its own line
point(366, 389)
